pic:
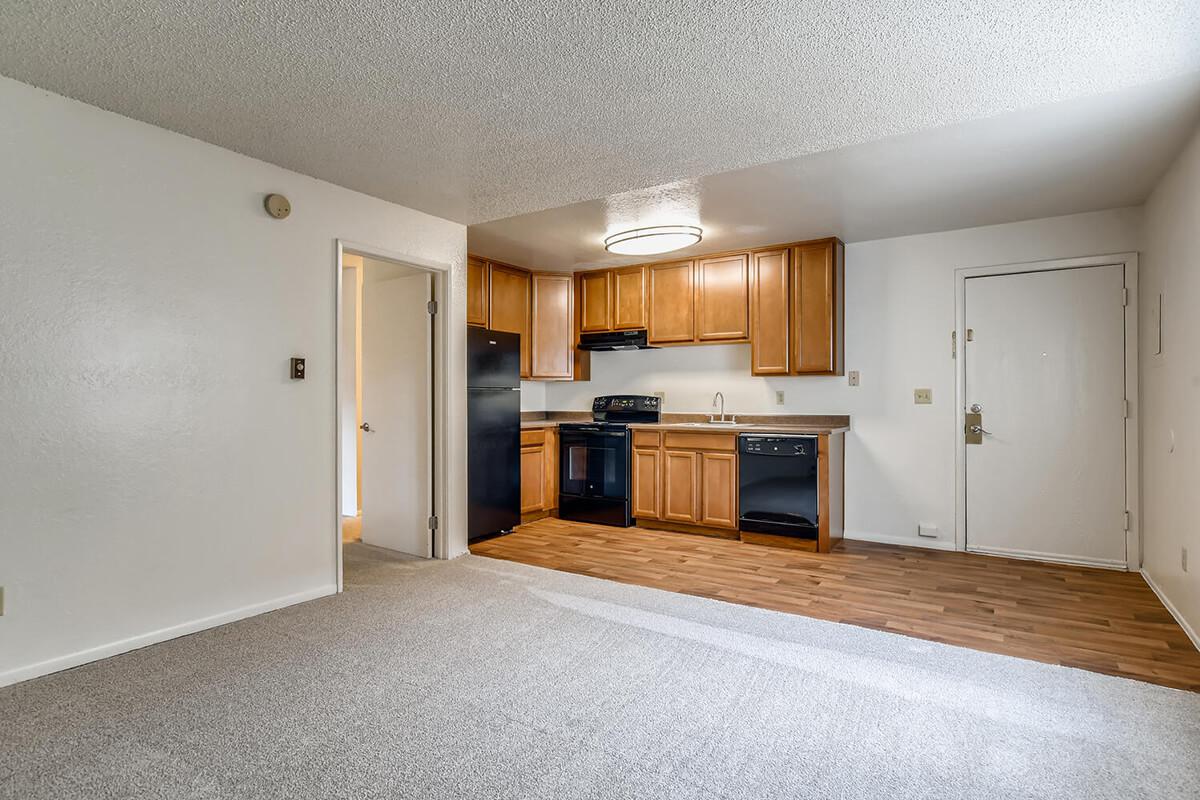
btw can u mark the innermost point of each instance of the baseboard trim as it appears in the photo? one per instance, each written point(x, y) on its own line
point(1171, 609)
point(1049, 558)
point(91, 654)
point(903, 541)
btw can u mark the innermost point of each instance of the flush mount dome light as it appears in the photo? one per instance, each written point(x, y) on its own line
point(658, 239)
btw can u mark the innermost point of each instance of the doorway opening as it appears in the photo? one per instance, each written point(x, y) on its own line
point(386, 387)
point(1046, 367)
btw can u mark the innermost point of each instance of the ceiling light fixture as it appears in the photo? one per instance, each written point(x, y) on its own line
point(658, 239)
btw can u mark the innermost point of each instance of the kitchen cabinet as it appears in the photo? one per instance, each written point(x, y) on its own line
point(595, 301)
point(817, 308)
point(539, 472)
point(647, 476)
point(508, 299)
point(477, 292)
point(722, 298)
point(687, 477)
point(769, 323)
point(680, 485)
point(628, 298)
point(552, 331)
point(672, 313)
point(718, 490)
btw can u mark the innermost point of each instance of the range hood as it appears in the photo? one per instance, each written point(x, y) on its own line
point(615, 340)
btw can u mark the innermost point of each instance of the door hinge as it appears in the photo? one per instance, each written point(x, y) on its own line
point(1125, 296)
point(1126, 407)
point(431, 307)
point(433, 523)
point(954, 344)
point(1128, 523)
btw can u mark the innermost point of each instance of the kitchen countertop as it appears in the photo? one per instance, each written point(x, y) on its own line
point(755, 423)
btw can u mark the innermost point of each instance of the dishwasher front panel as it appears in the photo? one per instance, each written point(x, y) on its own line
point(777, 484)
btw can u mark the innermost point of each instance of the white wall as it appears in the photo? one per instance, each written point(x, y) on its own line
point(159, 472)
point(899, 315)
point(1170, 386)
point(533, 395)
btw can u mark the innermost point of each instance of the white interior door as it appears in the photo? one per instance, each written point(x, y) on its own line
point(1045, 362)
point(397, 381)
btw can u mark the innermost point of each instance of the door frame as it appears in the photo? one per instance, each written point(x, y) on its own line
point(439, 365)
point(1129, 261)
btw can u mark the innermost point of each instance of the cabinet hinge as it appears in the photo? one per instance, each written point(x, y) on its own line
point(433, 523)
point(431, 307)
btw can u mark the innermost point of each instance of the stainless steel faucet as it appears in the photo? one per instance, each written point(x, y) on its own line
point(721, 398)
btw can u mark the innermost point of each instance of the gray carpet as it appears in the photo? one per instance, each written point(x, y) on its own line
point(484, 679)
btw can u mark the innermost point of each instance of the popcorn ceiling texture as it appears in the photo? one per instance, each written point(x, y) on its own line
point(480, 110)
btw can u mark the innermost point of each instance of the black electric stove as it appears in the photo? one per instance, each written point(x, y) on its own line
point(594, 460)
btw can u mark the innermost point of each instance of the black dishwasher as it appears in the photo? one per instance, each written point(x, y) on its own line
point(777, 484)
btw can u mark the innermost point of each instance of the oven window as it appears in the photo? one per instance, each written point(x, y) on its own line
point(595, 466)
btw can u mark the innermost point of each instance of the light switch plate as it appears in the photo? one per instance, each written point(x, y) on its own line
point(923, 397)
point(853, 379)
point(779, 397)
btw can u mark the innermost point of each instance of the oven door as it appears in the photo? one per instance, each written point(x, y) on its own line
point(594, 463)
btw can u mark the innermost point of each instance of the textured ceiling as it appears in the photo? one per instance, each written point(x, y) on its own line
point(482, 110)
point(1093, 153)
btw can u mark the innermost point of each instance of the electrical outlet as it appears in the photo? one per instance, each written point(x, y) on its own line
point(926, 530)
point(778, 397)
point(1183, 558)
point(923, 397)
point(853, 380)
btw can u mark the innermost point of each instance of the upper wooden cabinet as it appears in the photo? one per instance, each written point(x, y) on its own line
point(769, 326)
point(817, 308)
point(628, 298)
point(509, 301)
point(722, 298)
point(672, 312)
point(595, 301)
point(552, 335)
point(477, 292)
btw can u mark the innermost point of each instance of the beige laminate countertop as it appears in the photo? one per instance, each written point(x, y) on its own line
point(750, 427)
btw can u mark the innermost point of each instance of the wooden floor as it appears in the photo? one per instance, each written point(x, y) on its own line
point(1094, 619)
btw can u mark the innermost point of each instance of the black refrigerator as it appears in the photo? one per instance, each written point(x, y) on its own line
point(493, 432)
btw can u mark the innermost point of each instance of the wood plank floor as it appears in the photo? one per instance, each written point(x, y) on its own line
point(1094, 619)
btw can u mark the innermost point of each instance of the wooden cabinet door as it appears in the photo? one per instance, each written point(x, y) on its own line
point(533, 478)
point(722, 298)
point(477, 292)
point(718, 490)
point(646, 480)
point(769, 313)
point(680, 485)
point(672, 303)
point(595, 301)
point(509, 300)
point(816, 340)
point(628, 298)
point(552, 332)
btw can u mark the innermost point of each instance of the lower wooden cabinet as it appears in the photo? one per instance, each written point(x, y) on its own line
point(680, 481)
point(718, 490)
point(539, 470)
point(647, 475)
point(690, 479)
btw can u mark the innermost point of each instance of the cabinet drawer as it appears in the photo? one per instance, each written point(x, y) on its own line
point(533, 436)
point(695, 440)
point(646, 439)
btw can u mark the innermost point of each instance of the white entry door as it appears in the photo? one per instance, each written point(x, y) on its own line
point(397, 412)
point(1045, 364)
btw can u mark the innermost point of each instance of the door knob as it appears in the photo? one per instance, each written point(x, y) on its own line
point(978, 429)
point(366, 426)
